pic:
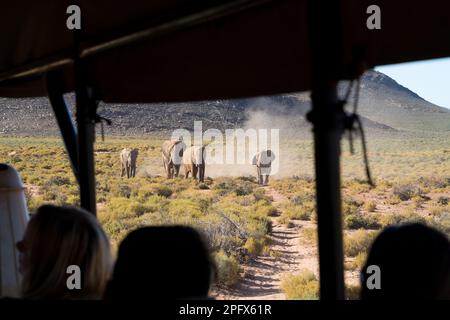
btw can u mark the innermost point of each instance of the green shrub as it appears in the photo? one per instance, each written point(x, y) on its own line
point(260, 195)
point(254, 246)
point(302, 286)
point(394, 199)
point(228, 269)
point(407, 191)
point(228, 185)
point(163, 191)
point(357, 242)
point(185, 207)
point(243, 189)
point(357, 263)
point(370, 206)
point(121, 190)
point(442, 222)
point(262, 209)
point(361, 221)
point(125, 208)
point(350, 206)
point(203, 186)
point(300, 198)
point(443, 201)
point(57, 181)
point(299, 212)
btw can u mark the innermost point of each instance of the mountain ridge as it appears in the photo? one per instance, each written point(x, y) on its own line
point(384, 105)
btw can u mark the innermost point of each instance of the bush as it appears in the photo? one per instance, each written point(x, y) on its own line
point(265, 210)
point(125, 208)
point(286, 221)
point(360, 221)
point(370, 206)
point(163, 191)
point(260, 195)
point(121, 190)
point(228, 269)
point(407, 191)
point(57, 181)
point(185, 207)
point(443, 222)
point(302, 286)
point(254, 246)
point(203, 186)
point(443, 201)
point(238, 186)
point(394, 199)
point(243, 189)
point(350, 206)
point(300, 212)
point(358, 242)
point(357, 263)
point(301, 198)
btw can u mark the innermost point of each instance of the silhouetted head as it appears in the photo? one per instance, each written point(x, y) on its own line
point(59, 237)
point(414, 262)
point(164, 262)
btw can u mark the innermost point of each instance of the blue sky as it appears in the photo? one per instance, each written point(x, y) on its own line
point(429, 79)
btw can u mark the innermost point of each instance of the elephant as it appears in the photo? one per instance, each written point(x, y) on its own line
point(172, 154)
point(128, 159)
point(263, 162)
point(194, 161)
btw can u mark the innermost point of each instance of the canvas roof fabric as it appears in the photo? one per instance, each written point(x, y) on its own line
point(184, 50)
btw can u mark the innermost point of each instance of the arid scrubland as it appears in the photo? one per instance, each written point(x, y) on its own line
point(412, 175)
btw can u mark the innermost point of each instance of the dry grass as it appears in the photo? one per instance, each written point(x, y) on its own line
point(412, 184)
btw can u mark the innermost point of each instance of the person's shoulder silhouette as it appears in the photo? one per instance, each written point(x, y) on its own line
point(414, 263)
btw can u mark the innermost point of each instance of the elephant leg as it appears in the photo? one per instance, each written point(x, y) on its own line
point(260, 181)
point(266, 181)
point(128, 171)
point(194, 172)
point(168, 171)
point(177, 170)
point(202, 173)
point(123, 171)
point(165, 168)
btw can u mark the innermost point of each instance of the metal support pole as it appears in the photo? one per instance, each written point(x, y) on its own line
point(86, 111)
point(328, 119)
point(64, 120)
point(327, 116)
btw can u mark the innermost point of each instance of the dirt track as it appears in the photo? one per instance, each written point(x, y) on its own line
point(262, 277)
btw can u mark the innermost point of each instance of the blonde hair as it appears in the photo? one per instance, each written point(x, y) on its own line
point(57, 237)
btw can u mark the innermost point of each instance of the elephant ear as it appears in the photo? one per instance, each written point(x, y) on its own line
point(254, 160)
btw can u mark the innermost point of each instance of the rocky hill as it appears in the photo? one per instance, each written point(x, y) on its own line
point(384, 106)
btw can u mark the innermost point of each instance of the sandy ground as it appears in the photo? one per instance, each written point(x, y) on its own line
point(262, 276)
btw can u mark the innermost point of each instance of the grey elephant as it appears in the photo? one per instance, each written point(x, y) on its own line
point(128, 159)
point(172, 154)
point(194, 161)
point(263, 162)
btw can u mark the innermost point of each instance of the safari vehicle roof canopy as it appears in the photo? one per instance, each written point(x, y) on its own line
point(181, 50)
point(178, 50)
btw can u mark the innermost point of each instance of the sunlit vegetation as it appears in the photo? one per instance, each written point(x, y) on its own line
point(233, 213)
point(301, 286)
